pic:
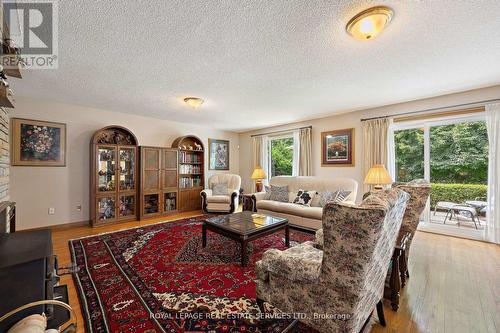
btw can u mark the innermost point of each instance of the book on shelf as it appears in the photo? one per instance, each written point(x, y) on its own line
point(189, 157)
point(188, 182)
point(189, 169)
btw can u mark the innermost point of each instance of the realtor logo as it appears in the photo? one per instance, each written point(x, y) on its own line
point(33, 27)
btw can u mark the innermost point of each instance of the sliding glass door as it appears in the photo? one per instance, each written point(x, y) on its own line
point(453, 155)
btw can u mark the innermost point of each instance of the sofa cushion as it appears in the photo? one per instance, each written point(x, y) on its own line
point(279, 193)
point(298, 263)
point(219, 189)
point(219, 199)
point(304, 198)
point(291, 208)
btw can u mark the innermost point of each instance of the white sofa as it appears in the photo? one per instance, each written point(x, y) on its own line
point(221, 203)
point(299, 215)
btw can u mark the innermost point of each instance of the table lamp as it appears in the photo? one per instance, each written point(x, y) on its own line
point(378, 176)
point(257, 175)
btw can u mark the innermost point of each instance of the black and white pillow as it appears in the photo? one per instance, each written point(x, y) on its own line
point(304, 197)
point(279, 193)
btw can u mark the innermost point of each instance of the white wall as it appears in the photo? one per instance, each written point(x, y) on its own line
point(35, 189)
point(353, 120)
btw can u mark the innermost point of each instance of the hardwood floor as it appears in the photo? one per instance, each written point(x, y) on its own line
point(454, 284)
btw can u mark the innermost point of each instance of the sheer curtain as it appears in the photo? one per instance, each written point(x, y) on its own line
point(304, 152)
point(375, 144)
point(492, 230)
point(260, 155)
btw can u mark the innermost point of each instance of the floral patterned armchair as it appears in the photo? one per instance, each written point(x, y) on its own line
point(419, 191)
point(343, 282)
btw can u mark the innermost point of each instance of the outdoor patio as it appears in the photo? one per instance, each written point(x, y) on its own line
point(458, 221)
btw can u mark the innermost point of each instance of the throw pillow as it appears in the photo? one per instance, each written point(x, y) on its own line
point(267, 189)
point(326, 197)
point(219, 189)
point(304, 197)
point(337, 196)
point(279, 193)
point(342, 195)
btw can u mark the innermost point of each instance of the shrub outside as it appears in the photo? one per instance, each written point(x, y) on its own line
point(457, 193)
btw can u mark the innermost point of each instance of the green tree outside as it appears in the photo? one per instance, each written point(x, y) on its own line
point(281, 157)
point(458, 154)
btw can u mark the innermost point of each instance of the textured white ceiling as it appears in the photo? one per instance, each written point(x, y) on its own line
point(261, 63)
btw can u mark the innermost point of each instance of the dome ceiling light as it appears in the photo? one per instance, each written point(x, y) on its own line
point(369, 23)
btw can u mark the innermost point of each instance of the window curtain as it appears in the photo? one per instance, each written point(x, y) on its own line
point(305, 152)
point(492, 230)
point(260, 156)
point(375, 144)
point(391, 151)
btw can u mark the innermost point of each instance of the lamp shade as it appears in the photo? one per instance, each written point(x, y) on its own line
point(378, 175)
point(258, 173)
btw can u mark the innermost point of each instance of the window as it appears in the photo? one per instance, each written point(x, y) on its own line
point(281, 155)
point(451, 153)
point(409, 146)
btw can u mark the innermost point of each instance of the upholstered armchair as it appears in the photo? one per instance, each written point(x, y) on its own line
point(345, 280)
point(222, 194)
point(419, 191)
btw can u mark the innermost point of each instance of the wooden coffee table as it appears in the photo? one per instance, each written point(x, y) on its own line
point(245, 227)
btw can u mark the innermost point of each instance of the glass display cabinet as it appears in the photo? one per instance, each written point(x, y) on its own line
point(113, 180)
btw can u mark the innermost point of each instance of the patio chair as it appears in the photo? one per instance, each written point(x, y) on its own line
point(454, 209)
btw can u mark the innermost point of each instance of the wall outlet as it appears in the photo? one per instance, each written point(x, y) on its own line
point(78, 208)
point(52, 211)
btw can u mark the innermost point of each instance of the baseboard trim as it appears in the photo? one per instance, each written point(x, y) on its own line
point(59, 226)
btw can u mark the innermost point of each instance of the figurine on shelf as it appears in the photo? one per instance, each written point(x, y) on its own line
point(105, 155)
point(190, 147)
point(3, 78)
point(119, 138)
point(198, 146)
point(184, 147)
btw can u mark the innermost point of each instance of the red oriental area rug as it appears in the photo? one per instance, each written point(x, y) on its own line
point(158, 278)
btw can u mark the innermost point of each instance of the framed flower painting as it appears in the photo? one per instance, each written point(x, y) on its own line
point(38, 143)
point(218, 154)
point(337, 148)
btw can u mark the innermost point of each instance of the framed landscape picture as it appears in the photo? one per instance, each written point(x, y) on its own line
point(38, 143)
point(337, 148)
point(218, 154)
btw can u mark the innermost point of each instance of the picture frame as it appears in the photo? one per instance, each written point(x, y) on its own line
point(338, 148)
point(218, 153)
point(38, 143)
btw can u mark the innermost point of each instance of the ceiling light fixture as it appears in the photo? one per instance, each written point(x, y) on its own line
point(194, 102)
point(369, 23)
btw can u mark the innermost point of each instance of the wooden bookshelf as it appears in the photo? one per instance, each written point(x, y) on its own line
point(191, 178)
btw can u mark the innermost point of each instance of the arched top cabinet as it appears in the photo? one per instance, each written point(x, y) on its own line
point(117, 135)
point(113, 176)
point(188, 143)
point(191, 171)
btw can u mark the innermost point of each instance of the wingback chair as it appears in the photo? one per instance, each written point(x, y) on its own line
point(225, 202)
point(419, 191)
point(346, 278)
